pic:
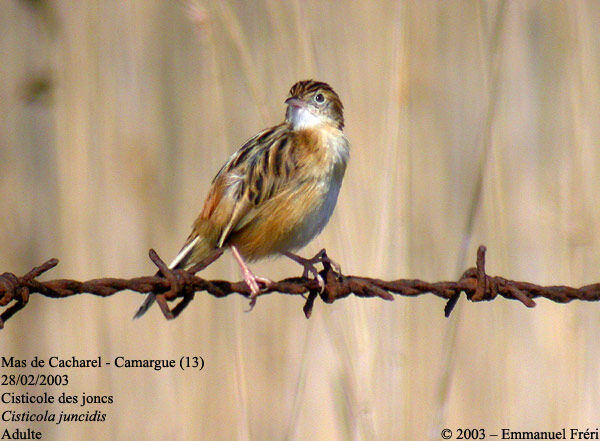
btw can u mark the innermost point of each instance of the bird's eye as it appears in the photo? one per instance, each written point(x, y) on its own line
point(319, 98)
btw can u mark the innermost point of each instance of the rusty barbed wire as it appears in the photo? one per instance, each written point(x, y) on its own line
point(172, 284)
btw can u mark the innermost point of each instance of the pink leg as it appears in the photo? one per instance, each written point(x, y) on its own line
point(249, 277)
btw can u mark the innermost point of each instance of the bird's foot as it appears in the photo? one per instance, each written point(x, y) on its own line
point(254, 283)
point(309, 265)
point(251, 280)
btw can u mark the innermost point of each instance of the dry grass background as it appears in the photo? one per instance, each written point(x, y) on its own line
point(470, 122)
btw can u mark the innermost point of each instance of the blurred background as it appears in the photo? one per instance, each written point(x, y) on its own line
point(471, 122)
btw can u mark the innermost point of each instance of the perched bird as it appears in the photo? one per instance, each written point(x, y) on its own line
point(277, 192)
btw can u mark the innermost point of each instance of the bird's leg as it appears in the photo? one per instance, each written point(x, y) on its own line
point(309, 265)
point(251, 280)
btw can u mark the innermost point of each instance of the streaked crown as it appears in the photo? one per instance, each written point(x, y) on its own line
point(314, 102)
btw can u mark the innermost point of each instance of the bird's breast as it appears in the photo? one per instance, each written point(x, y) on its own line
point(303, 204)
point(321, 194)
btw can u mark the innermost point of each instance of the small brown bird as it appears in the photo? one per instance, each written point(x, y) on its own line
point(277, 192)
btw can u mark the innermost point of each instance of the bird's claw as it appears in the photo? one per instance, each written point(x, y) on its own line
point(253, 283)
point(309, 265)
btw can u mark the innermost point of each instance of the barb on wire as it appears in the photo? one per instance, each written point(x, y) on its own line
point(173, 284)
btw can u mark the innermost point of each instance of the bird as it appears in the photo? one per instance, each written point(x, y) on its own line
point(277, 192)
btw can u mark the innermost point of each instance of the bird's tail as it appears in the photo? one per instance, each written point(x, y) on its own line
point(196, 249)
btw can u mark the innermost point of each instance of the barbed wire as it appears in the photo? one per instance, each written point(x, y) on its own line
point(170, 285)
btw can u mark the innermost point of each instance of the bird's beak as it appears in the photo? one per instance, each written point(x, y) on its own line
point(295, 102)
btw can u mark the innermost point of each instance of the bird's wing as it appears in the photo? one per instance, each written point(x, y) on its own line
point(252, 175)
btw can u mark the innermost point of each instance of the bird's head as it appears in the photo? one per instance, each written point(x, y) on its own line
point(313, 103)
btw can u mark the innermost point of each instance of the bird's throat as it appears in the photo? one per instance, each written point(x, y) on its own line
point(301, 118)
